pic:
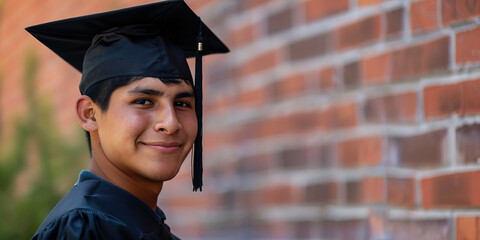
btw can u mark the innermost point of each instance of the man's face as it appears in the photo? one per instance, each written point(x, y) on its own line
point(148, 129)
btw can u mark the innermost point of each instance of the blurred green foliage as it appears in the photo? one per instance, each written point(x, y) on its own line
point(2, 2)
point(39, 165)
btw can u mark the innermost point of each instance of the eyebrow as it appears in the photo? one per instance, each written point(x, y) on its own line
point(147, 91)
point(185, 95)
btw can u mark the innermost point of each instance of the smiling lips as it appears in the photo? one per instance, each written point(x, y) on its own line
point(164, 147)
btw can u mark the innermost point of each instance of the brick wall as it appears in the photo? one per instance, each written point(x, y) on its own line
point(345, 119)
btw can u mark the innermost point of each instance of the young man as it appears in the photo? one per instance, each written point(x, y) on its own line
point(141, 110)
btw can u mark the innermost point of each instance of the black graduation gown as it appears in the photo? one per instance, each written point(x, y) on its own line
point(97, 209)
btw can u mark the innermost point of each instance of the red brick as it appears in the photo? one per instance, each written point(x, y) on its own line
point(293, 85)
point(394, 23)
point(359, 33)
point(423, 16)
point(471, 91)
point(324, 120)
point(419, 151)
point(441, 101)
point(459, 10)
point(302, 122)
point(444, 100)
point(290, 122)
point(244, 35)
point(260, 63)
point(421, 59)
point(274, 91)
point(198, 4)
point(218, 105)
point(247, 197)
point(250, 4)
point(295, 158)
point(317, 9)
point(401, 192)
point(280, 21)
point(310, 47)
point(468, 228)
point(270, 229)
point(468, 140)
point(360, 152)
point(299, 122)
point(322, 193)
point(375, 69)
point(215, 139)
point(253, 98)
point(326, 79)
point(265, 128)
point(353, 192)
point(363, 3)
point(351, 75)
point(368, 190)
point(467, 49)
point(373, 189)
point(344, 115)
point(399, 108)
point(339, 116)
point(256, 163)
point(451, 190)
point(276, 195)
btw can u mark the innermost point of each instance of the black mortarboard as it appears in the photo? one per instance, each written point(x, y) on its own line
point(151, 40)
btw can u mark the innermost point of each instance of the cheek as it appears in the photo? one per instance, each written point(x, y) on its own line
point(189, 122)
point(127, 125)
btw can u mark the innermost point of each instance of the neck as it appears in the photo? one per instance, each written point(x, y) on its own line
point(141, 188)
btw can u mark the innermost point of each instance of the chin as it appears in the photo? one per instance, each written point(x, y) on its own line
point(163, 175)
point(164, 169)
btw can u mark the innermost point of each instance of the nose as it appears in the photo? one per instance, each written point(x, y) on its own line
point(167, 121)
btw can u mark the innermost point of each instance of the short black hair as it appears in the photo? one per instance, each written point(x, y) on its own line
point(101, 92)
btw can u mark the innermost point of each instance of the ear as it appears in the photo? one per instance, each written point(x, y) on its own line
point(86, 113)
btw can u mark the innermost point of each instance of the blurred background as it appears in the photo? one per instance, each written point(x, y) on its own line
point(345, 119)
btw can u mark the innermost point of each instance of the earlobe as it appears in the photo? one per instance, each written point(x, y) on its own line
point(86, 113)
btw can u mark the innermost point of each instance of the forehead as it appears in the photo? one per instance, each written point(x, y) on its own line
point(152, 82)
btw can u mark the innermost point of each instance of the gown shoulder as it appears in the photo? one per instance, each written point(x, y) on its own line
point(85, 224)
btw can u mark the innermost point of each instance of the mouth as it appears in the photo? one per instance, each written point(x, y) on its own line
point(164, 147)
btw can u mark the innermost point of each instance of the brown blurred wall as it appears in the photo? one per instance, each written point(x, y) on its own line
point(56, 80)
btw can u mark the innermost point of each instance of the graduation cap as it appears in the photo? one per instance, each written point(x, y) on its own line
point(151, 40)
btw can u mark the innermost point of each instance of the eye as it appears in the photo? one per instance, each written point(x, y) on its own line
point(142, 101)
point(182, 104)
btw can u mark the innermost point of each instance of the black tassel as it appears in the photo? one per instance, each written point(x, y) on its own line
point(198, 145)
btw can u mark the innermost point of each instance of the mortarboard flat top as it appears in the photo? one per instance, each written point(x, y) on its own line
point(71, 38)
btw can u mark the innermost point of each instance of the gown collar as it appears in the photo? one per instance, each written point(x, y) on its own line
point(122, 197)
